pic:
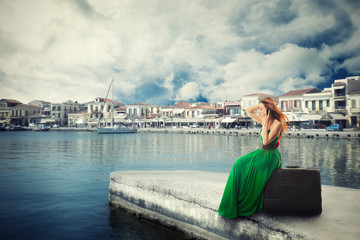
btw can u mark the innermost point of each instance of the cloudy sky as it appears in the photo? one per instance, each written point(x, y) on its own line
point(163, 51)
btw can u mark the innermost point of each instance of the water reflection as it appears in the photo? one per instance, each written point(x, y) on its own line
point(337, 159)
point(64, 176)
point(125, 226)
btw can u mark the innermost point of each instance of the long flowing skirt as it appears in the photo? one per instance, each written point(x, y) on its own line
point(244, 190)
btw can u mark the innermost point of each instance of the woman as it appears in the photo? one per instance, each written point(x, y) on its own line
point(243, 194)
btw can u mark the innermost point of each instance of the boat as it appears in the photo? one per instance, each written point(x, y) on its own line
point(111, 128)
point(41, 128)
point(15, 128)
point(116, 129)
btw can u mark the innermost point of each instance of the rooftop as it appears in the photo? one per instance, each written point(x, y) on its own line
point(301, 92)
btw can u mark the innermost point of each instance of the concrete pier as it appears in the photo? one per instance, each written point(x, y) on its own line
point(188, 201)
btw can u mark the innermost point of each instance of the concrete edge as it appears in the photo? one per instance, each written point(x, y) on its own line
point(189, 217)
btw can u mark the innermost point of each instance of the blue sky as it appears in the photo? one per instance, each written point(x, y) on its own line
point(165, 51)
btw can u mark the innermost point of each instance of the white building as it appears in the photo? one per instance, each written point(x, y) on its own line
point(354, 109)
point(318, 102)
point(293, 101)
point(45, 107)
point(233, 108)
point(341, 88)
point(78, 119)
point(101, 107)
point(60, 112)
point(138, 110)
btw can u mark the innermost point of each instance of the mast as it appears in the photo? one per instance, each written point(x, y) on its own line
point(112, 103)
point(101, 115)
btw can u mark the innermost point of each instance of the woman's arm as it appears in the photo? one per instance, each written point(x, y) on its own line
point(251, 112)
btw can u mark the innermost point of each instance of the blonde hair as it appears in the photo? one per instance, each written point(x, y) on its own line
point(269, 103)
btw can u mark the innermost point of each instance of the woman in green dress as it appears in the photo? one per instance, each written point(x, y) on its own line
point(244, 190)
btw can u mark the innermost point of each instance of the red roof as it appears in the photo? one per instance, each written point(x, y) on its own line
point(301, 92)
point(12, 101)
point(107, 100)
point(261, 95)
point(202, 107)
point(355, 93)
point(142, 104)
point(185, 104)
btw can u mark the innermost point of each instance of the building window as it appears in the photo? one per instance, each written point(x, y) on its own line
point(313, 105)
point(353, 103)
point(306, 104)
point(328, 103)
point(321, 105)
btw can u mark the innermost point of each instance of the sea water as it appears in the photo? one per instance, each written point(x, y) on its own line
point(54, 185)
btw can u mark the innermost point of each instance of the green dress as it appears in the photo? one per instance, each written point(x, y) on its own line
point(244, 190)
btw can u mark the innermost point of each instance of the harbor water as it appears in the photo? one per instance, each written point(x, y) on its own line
point(54, 185)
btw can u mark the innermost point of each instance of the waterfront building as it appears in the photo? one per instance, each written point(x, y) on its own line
point(45, 107)
point(233, 108)
point(103, 108)
point(45, 112)
point(293, 101)
point(200, 111)
point(318, 102)
point(341, 89)
point(78, 119)
point(14, 112)
point(166, 111)
point(354, 109)
point(315, 105)
point(60, 112)
point(139, 110)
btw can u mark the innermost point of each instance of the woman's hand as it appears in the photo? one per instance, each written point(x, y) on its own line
point(265, 120)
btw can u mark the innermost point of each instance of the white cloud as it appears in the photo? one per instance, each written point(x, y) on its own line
point(71, 49)
point(188, 92)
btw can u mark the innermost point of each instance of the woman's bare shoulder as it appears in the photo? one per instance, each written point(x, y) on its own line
point(276, 124)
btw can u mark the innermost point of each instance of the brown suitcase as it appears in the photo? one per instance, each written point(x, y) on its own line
point(293, 191)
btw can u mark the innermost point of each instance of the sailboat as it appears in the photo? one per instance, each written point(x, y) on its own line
point(113, 128)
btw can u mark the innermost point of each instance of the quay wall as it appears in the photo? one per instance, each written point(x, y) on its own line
point(349, 134)
point(188, 201)
point(310, 133)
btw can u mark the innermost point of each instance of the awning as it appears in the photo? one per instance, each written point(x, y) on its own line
point(47, 121)
point(333, 116)
point(80, 121)
point(307, 117)
point(178, 111)
point(338, 87)
point(209, 120)
point(5, 121)
point(338, 116)
point(228, 120)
